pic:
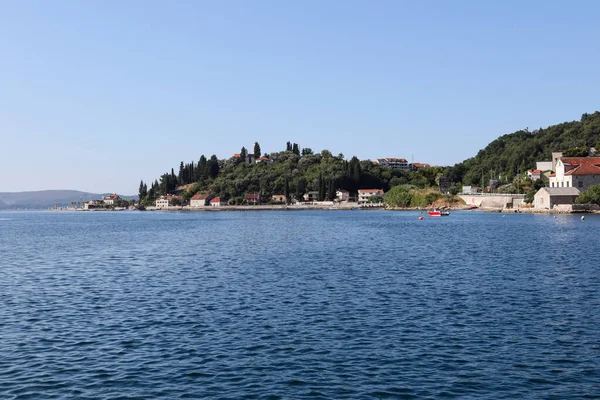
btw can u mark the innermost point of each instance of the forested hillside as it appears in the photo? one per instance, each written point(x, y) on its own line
point(517, 152)
point(292, 172)
point(295, 171)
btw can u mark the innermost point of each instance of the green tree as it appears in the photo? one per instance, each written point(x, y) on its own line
point(530, 194)
point(213, 167)
point(256, 150)
point(201, 170)
point(143, 190)
point(295, 149)
point(398, 196)
point(286, 190)
point(590, 196)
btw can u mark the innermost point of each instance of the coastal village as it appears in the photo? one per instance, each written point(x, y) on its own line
point(560, 181)
point(365, 198)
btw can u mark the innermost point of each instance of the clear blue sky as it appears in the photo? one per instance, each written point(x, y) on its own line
point(96, 95)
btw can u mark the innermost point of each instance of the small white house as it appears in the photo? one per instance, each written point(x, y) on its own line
point(162, 202)
point(110, 199)
point(311, 196)
point(365, 194)
point(92, 204)
point(199, 200)
point(342, 195)
point(216, 202)
point(548, 198)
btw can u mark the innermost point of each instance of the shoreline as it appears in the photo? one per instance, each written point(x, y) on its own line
point(333, 207)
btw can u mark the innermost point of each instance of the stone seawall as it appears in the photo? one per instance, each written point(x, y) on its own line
point(494, 201)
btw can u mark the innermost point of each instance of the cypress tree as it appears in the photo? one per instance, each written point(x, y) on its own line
point(321, 194)
point(286, 190)
point(141, 194)
point(256, 150)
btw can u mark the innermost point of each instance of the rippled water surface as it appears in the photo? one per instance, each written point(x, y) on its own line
point(295, 305)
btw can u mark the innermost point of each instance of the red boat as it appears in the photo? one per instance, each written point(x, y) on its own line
point(438, 213)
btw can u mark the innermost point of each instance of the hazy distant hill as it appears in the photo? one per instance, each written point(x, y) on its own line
point(47, 198)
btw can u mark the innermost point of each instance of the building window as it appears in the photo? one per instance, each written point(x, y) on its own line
point(561, 184)
point(567, 183)
point(580, 183)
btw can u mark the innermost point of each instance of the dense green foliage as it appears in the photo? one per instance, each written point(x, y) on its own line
point(515, 153)
point(292, 172)
point(295, 171)
point(410, 196)
point(530, 194)
point(590, 196)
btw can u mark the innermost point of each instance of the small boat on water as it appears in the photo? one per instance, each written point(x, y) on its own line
point(438, 213)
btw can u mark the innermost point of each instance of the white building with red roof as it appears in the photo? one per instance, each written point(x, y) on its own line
point(365, 194)
point(167, 201)
point(110, 199)
point(216, 202)
point(199, 200)
point(578, 172)
point(417, 165)
point(263, 159)
point(535, 174)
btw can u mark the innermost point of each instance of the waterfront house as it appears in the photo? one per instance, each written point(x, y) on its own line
point(216, 202)
point(342, 195)
point(89, 205)
point(252, 198)
point(199, 199)
point(162, 202)
point(311, 196)
point(579, 172)
point(549, 198)
point(279, 198)
point(110, 199)
point(365, 194)
point(167, 201)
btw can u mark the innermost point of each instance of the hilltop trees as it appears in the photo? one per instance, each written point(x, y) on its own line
point(515, 153)
point(292, 173)
point(256, 150)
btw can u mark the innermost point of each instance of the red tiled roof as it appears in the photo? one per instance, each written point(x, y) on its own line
point(535, 171)
point(200, 196)
point(580, 160)
point(583, 165)
point(263, 158)
point(251, 196)
point(216, 200)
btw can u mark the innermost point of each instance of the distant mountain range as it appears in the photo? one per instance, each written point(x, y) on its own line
point(48, 198)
